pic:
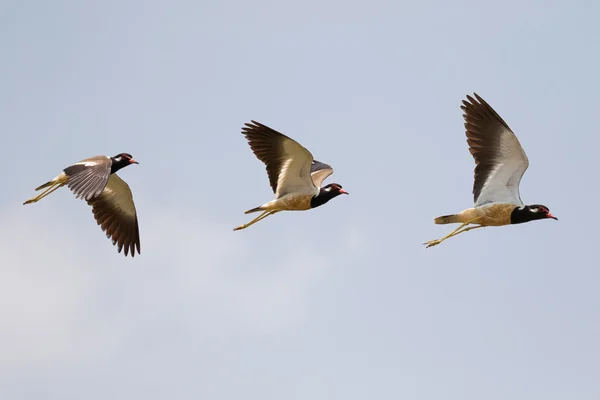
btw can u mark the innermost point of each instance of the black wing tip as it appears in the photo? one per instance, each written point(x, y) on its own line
point(253, 125)
point(132, 251)
point(128, 248)
point(476, 108)
point(126, 244)
point(470, 101)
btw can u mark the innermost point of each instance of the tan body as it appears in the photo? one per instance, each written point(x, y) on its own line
point(488, 215)
point(289, 202)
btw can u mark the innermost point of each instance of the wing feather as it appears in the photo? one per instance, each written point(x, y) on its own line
point(319, 172)
point(87, 178)
point(114, 210)
point(499, 158)
point(288, 164)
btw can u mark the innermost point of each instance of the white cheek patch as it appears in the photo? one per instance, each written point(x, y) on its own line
point(534, 209)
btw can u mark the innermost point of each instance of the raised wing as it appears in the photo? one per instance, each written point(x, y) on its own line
point(319, 172)
point(88, 177)
point(499, 158)
point(288, 163)
point(114, 211)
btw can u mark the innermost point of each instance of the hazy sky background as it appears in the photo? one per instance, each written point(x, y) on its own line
point(341, 302)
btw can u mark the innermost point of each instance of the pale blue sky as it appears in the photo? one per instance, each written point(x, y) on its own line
point(342, 302)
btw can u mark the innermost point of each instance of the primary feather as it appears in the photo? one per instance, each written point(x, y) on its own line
point(499, 158)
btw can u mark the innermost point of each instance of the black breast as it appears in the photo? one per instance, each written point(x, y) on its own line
point(319, 200)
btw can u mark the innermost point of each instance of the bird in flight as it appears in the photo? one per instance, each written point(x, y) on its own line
point(294, 175)
point(500, 163)
point(95, 181)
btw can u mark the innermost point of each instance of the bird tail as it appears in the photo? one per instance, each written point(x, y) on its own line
point(255, 209)
point(448, 219)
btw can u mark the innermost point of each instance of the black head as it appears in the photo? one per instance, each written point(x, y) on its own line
point(327, 193)
point(530, 213)
point(121, 161)
point(335, 188)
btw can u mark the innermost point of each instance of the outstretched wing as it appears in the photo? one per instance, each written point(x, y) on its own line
point(88, 177)
point(499, 158)
point(288, 163)
point(114, 211)
point(319, 172)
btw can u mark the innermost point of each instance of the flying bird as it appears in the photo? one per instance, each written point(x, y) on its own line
point(95, 181)
point(294, 175)
point(500, 163)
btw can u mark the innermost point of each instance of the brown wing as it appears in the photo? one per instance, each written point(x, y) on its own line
point(499, 158)
point(88, 177)
point(288, 163)
point(114, 211)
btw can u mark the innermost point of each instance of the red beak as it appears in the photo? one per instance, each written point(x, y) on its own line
point(132, 161)
point(343, 191)
point(551, 216)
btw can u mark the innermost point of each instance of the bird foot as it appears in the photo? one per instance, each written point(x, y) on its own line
point(432, 243)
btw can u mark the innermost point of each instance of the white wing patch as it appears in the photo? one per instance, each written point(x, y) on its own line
point(294, 176)
point(499, 158)
point(90, 162)
point(502, 184)
point(87, 163)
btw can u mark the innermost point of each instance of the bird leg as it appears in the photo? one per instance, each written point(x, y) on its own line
point(465, 230)
point(455, 232)
point(262, 216)
point(45, 193)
